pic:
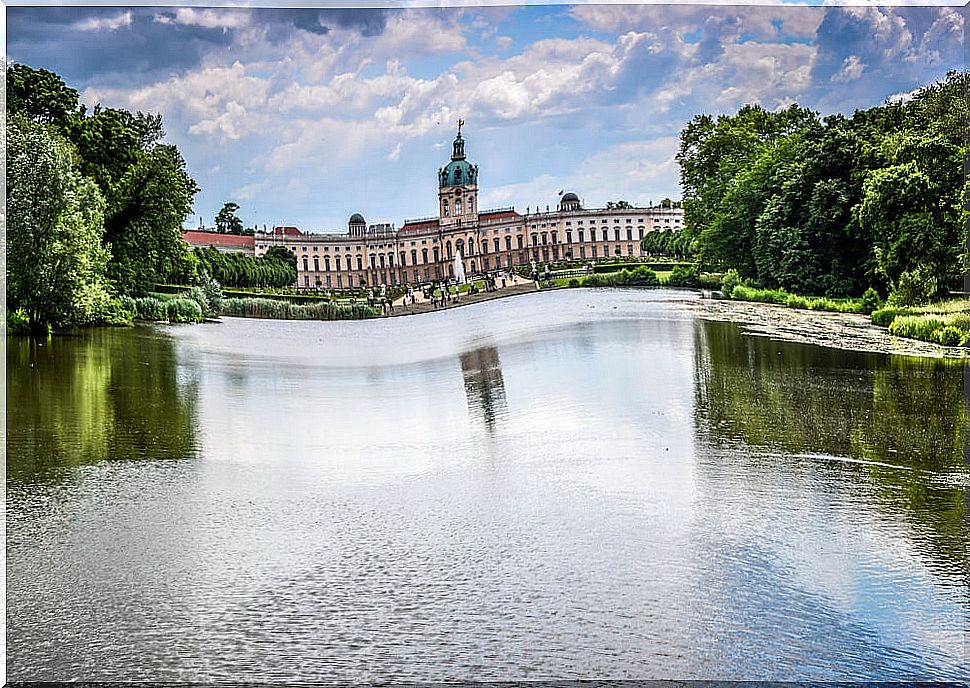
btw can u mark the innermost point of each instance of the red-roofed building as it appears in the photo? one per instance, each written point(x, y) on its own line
point(226, 243)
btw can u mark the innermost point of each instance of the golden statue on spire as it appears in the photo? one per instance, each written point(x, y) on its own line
point(460, 122)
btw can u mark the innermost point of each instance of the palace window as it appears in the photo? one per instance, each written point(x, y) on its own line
point(569, 237)
point(316, 264)
point(444, 208)
point(403, 261)
point(424, 255)
point(306, 265)
point(373, 262)
point(414, 257)
point(582, 251)
point(508, 243)
point(437, 254)
point(629, 234)
point(360, 262)
point(520, 241)
point(448, 250)
point(582, 235)
point(484, 245)
point(616, 233)
point(306, 280)
point(326, 264)
point(337, 259)
point(640, 229)
point(498, 244)
point(382, 262)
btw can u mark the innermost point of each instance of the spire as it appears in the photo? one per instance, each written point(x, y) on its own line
point(458, 151)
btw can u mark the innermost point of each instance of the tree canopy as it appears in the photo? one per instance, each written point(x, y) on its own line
point(132, 191)
point(833, 205)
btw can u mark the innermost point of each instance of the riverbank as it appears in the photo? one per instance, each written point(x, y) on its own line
point(849, 331)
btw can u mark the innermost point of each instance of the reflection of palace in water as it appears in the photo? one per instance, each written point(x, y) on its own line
point(486, 240)
point(484, 385)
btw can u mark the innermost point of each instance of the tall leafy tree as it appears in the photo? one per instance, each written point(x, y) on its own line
point(56, 261)
point(227, 222)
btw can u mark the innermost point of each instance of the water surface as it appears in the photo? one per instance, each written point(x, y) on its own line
point(582, 484)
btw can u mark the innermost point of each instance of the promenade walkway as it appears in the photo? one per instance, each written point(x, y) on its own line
point(515, 285)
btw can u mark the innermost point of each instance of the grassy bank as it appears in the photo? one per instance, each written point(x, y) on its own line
point(946, 323)
point(284, 310)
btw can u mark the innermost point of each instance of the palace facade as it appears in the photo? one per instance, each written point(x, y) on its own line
point(424, 250)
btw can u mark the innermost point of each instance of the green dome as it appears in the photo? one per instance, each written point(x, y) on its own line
point(458, 173)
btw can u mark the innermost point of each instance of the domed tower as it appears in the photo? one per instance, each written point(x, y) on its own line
point(458, 187)
point(357, 225)
point(569, 201)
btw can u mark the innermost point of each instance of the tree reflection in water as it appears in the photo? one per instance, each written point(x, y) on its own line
point(906, 413)
point(95, 395)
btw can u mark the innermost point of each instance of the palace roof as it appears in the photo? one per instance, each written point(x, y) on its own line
point(195, 238)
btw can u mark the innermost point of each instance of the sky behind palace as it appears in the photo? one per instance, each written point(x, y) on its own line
point(304, 116)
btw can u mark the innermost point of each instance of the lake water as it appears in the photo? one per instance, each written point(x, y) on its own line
point(579, 484)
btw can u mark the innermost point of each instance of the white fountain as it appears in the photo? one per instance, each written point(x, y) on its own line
point(459, 268)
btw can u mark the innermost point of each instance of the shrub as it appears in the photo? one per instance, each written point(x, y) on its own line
point(683, 277)
point(641, 276)
point(743, 293)
point(795, 301)
point(870, 301)
point(17, 322)
point(284, 310)
point(885, 316)
point(916, 327)
point(150, 308)
point(913, 288)
point(949, 336)
point(573, 282)
point(730, 280)
point(184, 310)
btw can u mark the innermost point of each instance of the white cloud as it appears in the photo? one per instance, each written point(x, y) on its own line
point(114, 23)
point(395, 153)
point(851, 70)
point(206, 18)
point(638, 172)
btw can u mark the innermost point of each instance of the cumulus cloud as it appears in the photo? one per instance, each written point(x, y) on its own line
point(224, 19)
point(112, 23)
point(851, 70)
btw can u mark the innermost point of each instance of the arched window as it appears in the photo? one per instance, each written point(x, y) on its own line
point(403, 259)
point(316, 263)
point(437, 254)
point(382, 259)
point(471, 246)
point(306, 264)
point(448, 250)
point(390, 260)
point(498, 245)
point(460, 247)
point(458, 206)
point(360, 263)
point(424, 255)
point(373, 262)
point(484, 245)
point(414, 257)
point(326, 263)
point(508, 243)
point(445, 207)
point(337, 260)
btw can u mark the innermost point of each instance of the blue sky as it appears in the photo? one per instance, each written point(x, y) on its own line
point(304, 116)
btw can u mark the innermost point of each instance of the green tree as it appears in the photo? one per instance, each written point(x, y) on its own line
point(226, 220)
point(41, 96)
point(145, 215)
point(56, 262)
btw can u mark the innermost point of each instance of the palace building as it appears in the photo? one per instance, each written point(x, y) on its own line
point(424, 250)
